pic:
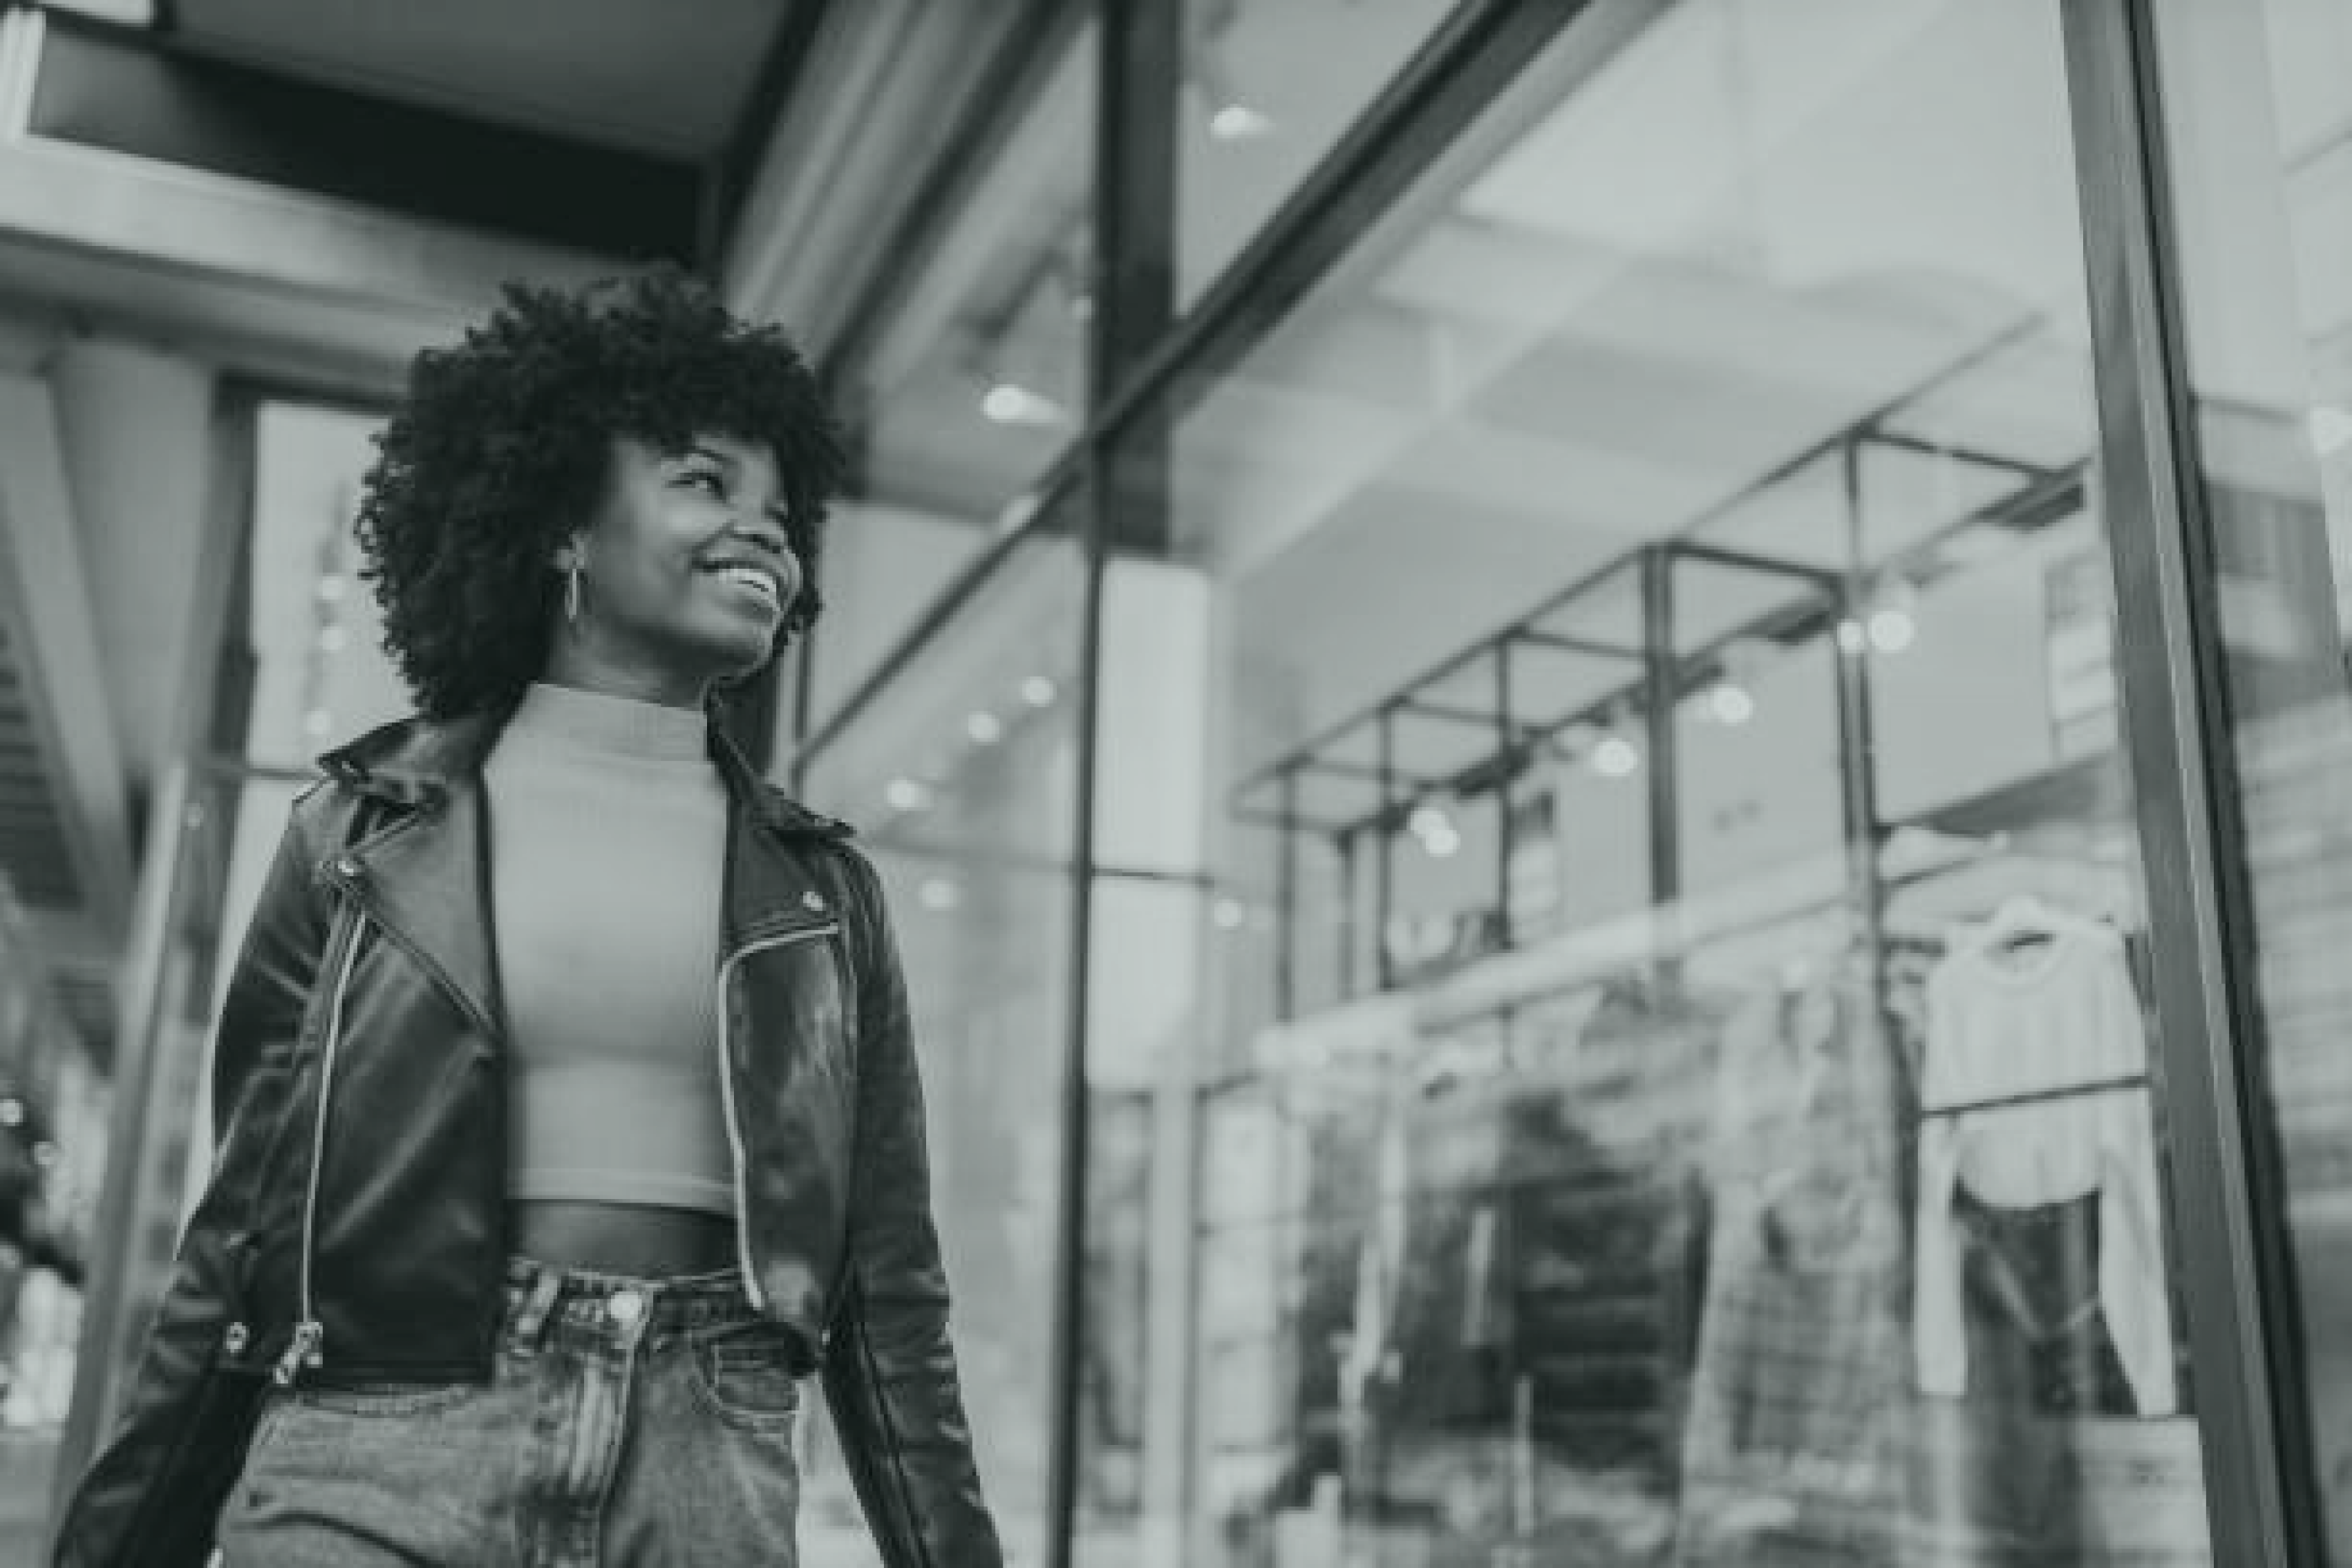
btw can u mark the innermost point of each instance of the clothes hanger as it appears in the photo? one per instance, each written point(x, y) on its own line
point(2024, 919)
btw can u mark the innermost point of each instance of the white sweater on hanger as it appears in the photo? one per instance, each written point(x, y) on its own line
point(2059, 1018)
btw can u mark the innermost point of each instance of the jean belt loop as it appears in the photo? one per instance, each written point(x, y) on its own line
point(530, 1319)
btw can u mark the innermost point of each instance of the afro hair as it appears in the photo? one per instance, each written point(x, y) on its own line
point(503, 447)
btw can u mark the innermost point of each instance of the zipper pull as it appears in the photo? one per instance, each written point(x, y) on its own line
point(301, 1351)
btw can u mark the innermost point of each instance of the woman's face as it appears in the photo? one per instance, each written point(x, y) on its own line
point(686, 573)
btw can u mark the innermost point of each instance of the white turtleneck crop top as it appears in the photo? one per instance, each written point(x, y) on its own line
point(608, 828)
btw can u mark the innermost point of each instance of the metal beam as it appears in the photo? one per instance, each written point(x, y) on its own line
point(45, 601)
point(728, 183)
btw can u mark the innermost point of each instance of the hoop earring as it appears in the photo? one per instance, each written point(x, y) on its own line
point(572, 593)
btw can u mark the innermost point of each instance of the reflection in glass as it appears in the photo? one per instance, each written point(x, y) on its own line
point(1264, 96)
point(975, 384)
point(960, 783)
point(1691, 1100)
point(2258, 104)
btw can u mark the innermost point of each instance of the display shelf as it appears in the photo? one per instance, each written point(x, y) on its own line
point(1611, 658)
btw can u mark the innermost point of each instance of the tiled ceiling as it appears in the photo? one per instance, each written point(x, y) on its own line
point(647, 76)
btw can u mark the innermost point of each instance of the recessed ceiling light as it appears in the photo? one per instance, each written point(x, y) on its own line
point(1010, 403)
point(1239, 122)
point(1616, 758)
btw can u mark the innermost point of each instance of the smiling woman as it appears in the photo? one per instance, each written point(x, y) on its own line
point(552, 1160)
point(683, 577)
point(635, 408)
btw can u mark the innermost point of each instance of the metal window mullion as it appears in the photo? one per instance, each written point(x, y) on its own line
point(1138, 84)
point(2173, 703)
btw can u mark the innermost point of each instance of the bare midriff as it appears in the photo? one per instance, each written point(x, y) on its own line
point(647, 1240)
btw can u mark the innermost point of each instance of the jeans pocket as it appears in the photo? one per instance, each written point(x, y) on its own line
point(744, 1373)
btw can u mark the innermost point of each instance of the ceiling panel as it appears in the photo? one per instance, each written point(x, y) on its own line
point(647, 75)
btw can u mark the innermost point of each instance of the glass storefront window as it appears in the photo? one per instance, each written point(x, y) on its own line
point(961, 782)
point(974, 386)
point(2258, 99)
point(1265, 95)
point(1678, 1080)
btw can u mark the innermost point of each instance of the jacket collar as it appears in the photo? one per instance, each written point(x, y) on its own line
point(421, 764)
point(425, 875)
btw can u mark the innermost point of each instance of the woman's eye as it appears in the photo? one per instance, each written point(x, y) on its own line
point(703, 480)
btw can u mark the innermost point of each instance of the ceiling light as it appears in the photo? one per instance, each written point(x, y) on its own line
point(1039, 691)
point(906, 795)
point(1730, 704)
point(1442, 845)
point(1239, 122)
point(1851, 637)
point(1616, 758)
point(1428, 818)
point(1010, 403)
point(1892, 630)
point(939, 895)
point(12, 1112)
point(1231, 116)
point(332, 587)
point(984, 727)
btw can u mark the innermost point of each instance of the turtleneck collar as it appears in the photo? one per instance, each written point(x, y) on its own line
point(624, 727)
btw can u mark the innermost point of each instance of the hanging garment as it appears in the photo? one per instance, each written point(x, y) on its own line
point(1790, 1446)
point(2060, 1024)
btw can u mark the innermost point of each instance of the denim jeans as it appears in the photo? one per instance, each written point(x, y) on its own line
point(630, 1424)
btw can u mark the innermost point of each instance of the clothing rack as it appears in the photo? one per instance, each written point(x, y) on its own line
point(2035, 1097)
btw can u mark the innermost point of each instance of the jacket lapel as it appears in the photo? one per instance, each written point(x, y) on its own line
point(425, 876)
point(769, 889)
point(426, 881)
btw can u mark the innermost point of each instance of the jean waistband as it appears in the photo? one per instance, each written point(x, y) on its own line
point(539, 1295)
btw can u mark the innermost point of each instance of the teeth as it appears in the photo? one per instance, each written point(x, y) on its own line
point(759, 580)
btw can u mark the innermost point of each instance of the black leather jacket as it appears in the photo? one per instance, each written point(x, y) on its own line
point(353, 1226)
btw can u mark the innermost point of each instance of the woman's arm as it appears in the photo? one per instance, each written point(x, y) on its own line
point(890, 1370)
point(135, 1505)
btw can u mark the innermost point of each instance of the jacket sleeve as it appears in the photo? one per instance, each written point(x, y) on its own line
point(138, 1503)
point(890, 1371)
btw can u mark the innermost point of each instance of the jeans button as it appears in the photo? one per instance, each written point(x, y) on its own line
point(626, 1306)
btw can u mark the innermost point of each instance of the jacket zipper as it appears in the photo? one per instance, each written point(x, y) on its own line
point(751, 1287)
point(307, 1347)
